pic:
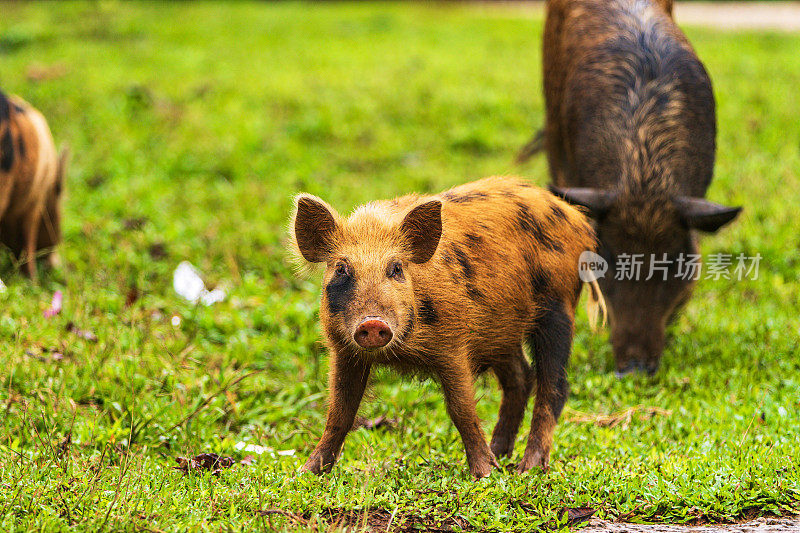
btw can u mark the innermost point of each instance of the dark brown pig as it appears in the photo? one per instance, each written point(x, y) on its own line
point(31, 183)
point(453, 284)
point(630, 135)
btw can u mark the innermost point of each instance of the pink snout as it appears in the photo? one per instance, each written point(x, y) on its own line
point(373, 333)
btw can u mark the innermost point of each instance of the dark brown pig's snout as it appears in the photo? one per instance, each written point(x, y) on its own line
point(638, 350)
point(372, 333)
point(636, 359)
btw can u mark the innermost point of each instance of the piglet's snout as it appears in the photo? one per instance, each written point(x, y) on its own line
point(373, 333)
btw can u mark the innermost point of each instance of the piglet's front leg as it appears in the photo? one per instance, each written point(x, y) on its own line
point(347, 381)
point(459, 394)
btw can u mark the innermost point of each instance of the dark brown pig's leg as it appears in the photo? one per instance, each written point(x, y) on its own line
point(551, 343)
point(516, 380)
point(31, 235)
point(348, 379)
point(456, 380)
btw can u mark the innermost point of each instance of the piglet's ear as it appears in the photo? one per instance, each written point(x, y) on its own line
point(314, 226)
point(597, 201)
point(422, 228)
point(703, 215)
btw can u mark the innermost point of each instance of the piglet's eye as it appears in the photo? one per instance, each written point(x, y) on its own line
point(341, 270)
point(396, 271)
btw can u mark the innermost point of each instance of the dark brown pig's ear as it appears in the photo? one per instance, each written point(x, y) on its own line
point(597, 201)
point(314, 227)
point(422, 228)
point(700, 214)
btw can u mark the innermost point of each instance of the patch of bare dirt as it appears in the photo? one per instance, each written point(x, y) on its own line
point(759, 525)
point(764, 16)
point(782, 16)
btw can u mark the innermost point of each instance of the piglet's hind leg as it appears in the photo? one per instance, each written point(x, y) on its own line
point(516, 380)
point(551, 343)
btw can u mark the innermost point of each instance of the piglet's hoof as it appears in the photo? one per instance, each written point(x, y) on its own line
point(317, 464)
point(531, 459)
point(480, 470)
point(502, 447)
point(483, 467)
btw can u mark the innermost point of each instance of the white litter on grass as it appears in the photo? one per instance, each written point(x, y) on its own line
point(212, 297)
point(2, 287)
point(254, 448)
point(258, 450)
point(188, 284)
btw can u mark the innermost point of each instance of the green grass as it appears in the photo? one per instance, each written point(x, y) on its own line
point(193, 125)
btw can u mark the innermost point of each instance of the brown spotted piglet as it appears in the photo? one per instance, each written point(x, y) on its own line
point(31, 183)
point(454, 285)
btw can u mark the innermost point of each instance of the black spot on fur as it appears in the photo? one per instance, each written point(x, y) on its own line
point(446, 257)
point(456, 277)
point(540, 281)
point(509, 194)
point(339, 292)
point(5, 108)
point(427, 312)
point(474, 242)
point(464, 198)
point(527, 222)
point(6, 141)
point(474, 293)
point(21, 147)
point(6, 151)
point(463, 260)
point(530, 224)
point(408, 328)
point(557, 214)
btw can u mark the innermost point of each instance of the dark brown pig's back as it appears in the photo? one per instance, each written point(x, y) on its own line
point(637, 105)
